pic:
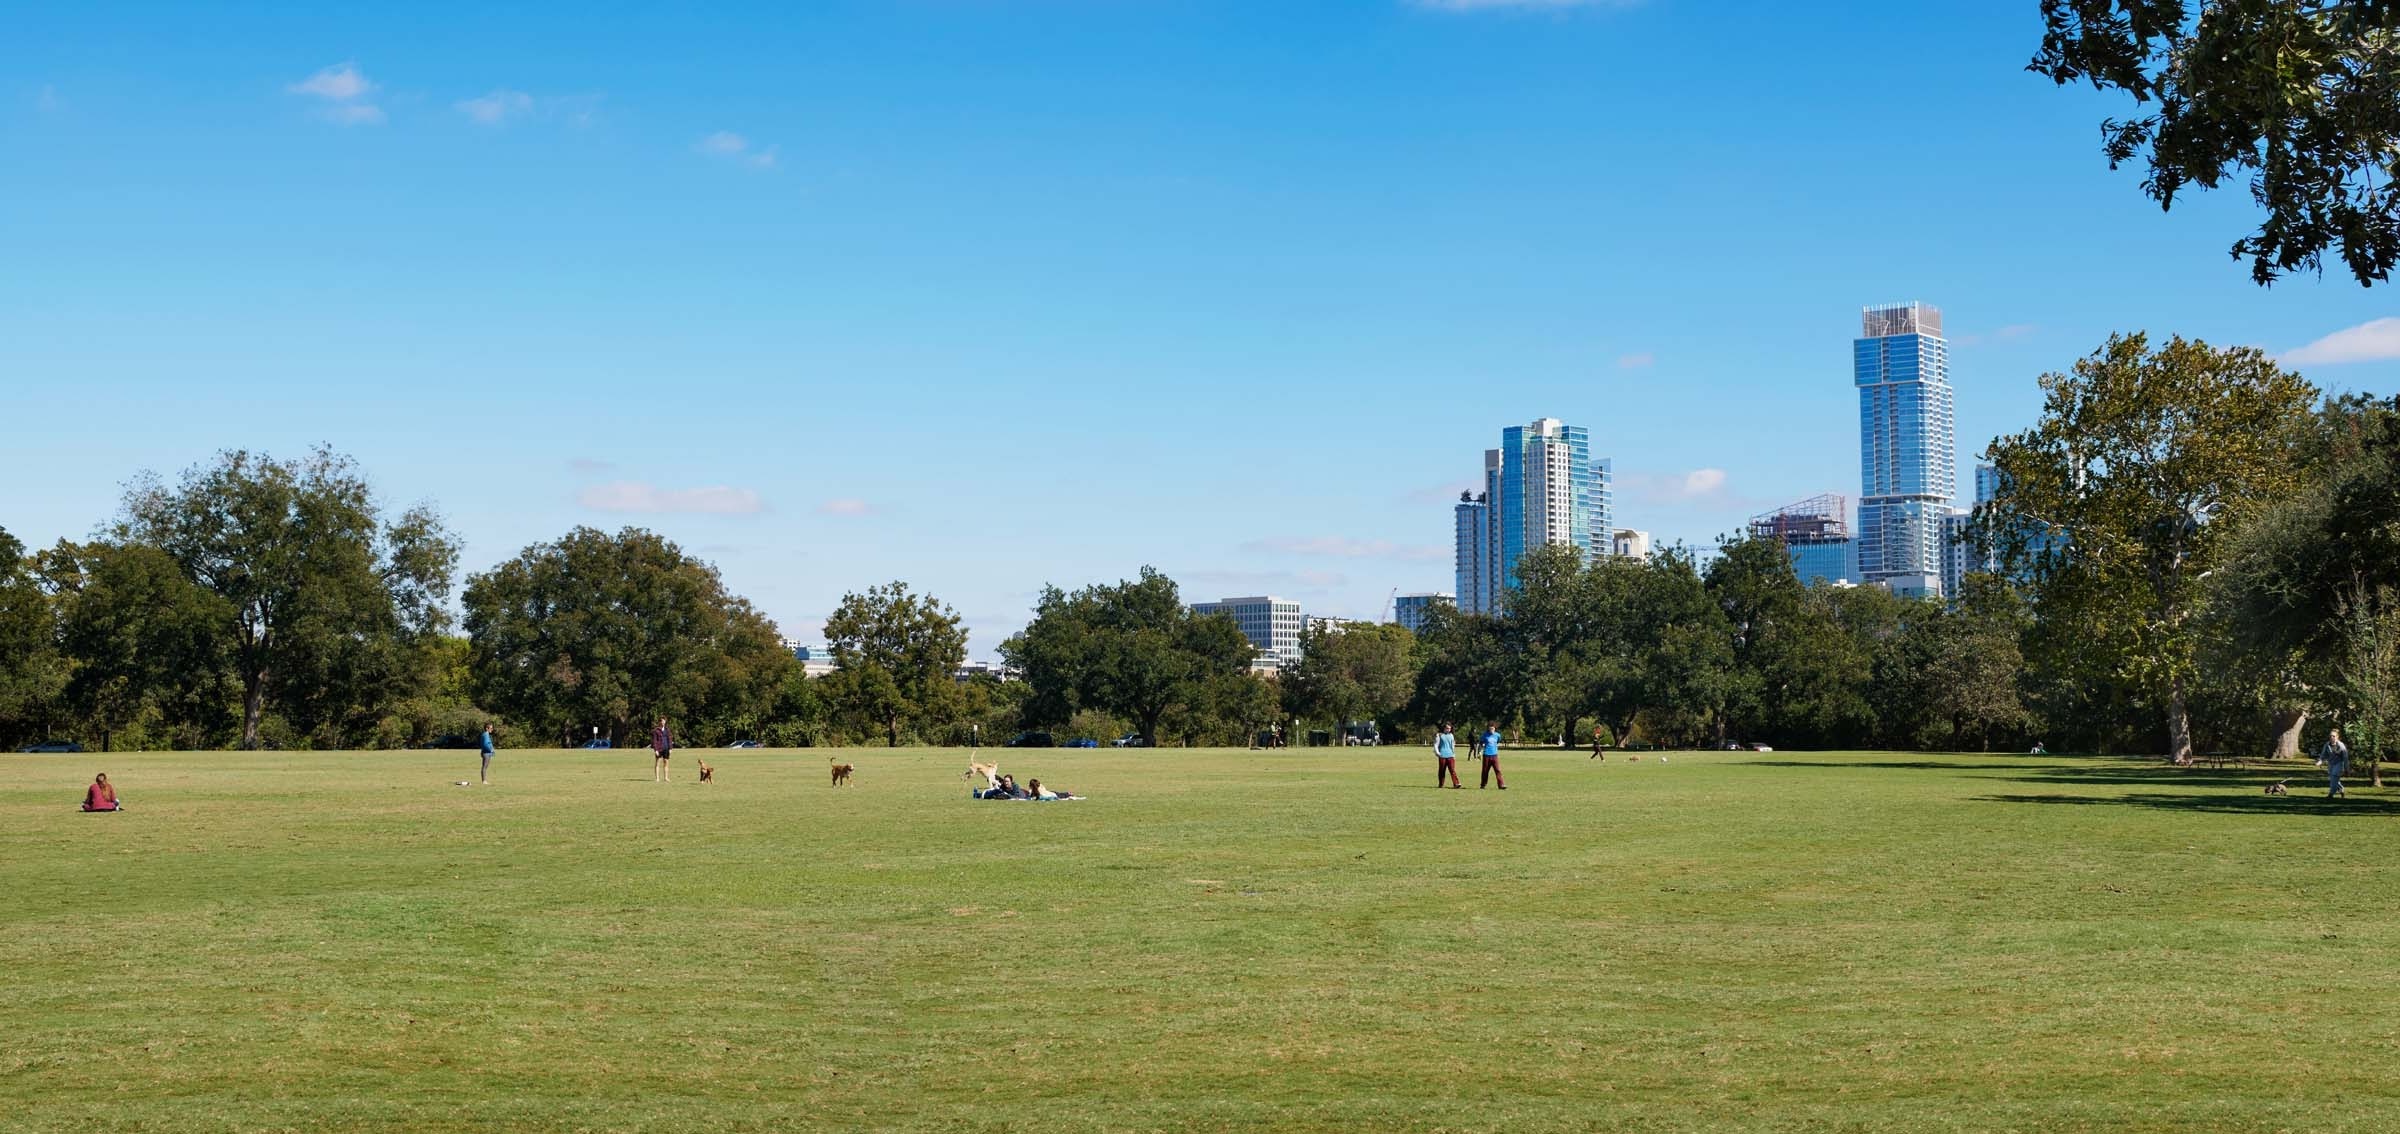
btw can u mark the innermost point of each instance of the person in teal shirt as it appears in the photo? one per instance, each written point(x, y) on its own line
point(1445, 758)
point(487, 753)
point(1491, 759)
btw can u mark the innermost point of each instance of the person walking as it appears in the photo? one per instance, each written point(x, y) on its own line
point(2337, 761)
point(487, 753)
point(1491, 759)
point(1445, 758)
point(661, 743)
point(1595, 743)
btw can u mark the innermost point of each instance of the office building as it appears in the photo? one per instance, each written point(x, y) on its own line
point(1331, 624)
point(815, 661)
point(1272, 625)
point(1960, 556)
point(1907, 448)
point(1542, 488)
point(1410, 610)
point(1816, 533)
point(1630, 544)
point(1477, 552)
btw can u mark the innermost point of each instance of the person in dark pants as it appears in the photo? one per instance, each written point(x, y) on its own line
point(1445, 758)
point(1491, 759)
point(2337, 761)
point(487, 753)
point(661, 743)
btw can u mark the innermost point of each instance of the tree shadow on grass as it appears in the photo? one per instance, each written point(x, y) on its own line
point(2253, 803)
point(1911, 765)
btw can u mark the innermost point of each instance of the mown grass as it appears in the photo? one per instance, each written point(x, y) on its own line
point(1215, 941)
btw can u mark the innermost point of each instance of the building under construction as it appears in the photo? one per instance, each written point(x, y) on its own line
point(1816, 532)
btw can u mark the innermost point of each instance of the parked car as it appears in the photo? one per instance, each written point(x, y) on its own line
point(53, 746)
point(1734, 746)
point(1129, 740)
point(745, 744)
point(455, 740)
point(599, 742)
point(1762, 748)
point(1031, 740)
point(1081, 742)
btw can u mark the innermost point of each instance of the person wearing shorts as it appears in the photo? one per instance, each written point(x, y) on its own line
point(662, 742)
point(1445, 758)
point(1491, 759)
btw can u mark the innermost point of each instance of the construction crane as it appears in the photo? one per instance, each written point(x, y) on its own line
point(1388, 600)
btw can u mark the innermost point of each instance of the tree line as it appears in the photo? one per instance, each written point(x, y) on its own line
point(2191, 551)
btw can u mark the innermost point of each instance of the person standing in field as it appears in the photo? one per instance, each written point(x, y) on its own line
point(2337, 761)
point(662, 742)
point(1445, 758)
point(1595, 743)
point(1491, 759)
point(487, 753)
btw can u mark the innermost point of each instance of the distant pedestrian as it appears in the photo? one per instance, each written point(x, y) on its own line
point(662, 742)
point(1491, 759)
point(1445, 758)
point(487, 753)
point(1595, 743)
point(2337, 761)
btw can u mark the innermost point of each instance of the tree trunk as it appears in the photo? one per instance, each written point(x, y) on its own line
point(254, 703)
point(2179, 724)
point(2288, 723)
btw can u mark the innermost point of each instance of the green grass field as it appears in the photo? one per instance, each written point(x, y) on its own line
point(1216, 940)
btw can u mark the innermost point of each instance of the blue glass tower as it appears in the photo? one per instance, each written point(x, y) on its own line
point(1907, 446)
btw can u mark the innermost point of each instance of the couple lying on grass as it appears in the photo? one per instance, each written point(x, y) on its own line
point(1005, 787)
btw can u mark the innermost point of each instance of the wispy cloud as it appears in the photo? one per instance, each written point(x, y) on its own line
point(844, 507)
point(1344, 547)
point(1695, 487)
point(634, 496)
point(496, 108)
point(2372, 341)
point(590, 466)
point(1243, 580)
point(729, 146)
point(344, 94)
point(1636, 361)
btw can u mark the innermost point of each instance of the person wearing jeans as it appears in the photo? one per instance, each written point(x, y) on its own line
point(2337, 761)
point(487, 753)
point(1491, 759)
point(1445, 758)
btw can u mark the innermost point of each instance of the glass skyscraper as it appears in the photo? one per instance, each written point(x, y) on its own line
point(1541, 487)
point(1907, 446)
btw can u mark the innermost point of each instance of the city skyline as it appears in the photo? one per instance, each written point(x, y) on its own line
point(1052, 261)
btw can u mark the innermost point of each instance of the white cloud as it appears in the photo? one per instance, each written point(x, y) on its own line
point(733, 147)
point(633, 496)
point(496, 108)
point(1698, 485)
point(342, 82)
point(2372, 341)
point(1636, 360)
point(844, 507)
point(1343, 547)
point(344, 90)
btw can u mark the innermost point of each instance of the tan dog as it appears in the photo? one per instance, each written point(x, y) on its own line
point(841, 773)
point(989, 772)
point(707, 774)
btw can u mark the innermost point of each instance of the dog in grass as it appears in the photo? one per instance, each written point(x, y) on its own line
point(989, 772)
point(841, 773)
point(2277, 788)
point(707, 774)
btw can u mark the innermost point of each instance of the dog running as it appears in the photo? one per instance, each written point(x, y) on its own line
point(2277, 788)
point(707, 774)
point(841, 773)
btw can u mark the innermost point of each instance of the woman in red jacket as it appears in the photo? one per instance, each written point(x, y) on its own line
point(100, 796)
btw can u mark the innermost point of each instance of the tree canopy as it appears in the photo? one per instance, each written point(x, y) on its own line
point(899, 655)
point(1132, 649)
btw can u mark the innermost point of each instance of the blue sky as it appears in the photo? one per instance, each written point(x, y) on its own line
point(983, 294)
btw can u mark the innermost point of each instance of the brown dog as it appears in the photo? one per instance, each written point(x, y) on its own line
point(707, 774)
point(841, 774)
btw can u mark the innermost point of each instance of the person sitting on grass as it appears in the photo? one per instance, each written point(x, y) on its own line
point(101, 796)
point(1036, 791)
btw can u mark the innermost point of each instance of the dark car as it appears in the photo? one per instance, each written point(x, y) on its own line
point(1031, 740)
point(598, 742)
point(1081, 742)
point(53, 746)
point(455, 740)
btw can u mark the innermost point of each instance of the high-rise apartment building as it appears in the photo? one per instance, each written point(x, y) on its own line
point(1816, 533)
point(1272, 625)
point(1960, 557)
point(1410, 610)
point(1542, 487)
point(1907, 446)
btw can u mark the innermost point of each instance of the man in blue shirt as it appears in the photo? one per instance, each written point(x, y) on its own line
point(1491, 759)
point(487, 753)
point(1445, 758)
